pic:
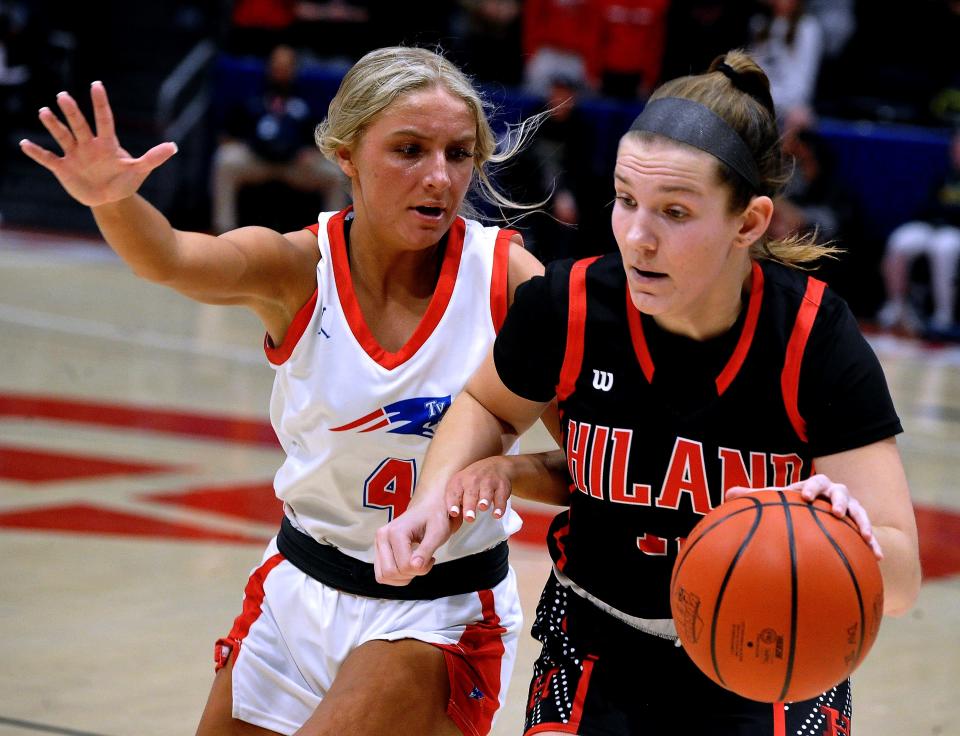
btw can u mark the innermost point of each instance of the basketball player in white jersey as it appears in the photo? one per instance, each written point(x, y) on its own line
point(375, 318)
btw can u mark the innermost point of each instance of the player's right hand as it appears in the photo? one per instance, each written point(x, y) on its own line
point(94, 169)
point(404, 548)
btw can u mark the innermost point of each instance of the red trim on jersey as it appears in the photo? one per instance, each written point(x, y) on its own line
point(779, 720)
point(639, 341)
point(576, 323)
point(252, 608)
point(733, 366)
point(281, 353)
point(790, 378)
point(351, 307)
point(376, 413)
point(473, 666)
point(499, 299)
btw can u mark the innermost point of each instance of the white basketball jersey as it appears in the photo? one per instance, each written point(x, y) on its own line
point(354, 419)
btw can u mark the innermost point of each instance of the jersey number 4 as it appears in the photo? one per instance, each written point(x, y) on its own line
point(390, 486)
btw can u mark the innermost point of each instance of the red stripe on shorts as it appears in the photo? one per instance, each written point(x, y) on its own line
point(473, 665)
point(779, 720)
point(252, 607)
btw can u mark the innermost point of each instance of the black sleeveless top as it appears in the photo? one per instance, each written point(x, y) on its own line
point(657, 426)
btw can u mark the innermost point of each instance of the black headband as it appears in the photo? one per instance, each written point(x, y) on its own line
point(690, 122)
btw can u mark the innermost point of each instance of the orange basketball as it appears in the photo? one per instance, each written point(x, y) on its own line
point(774, 598)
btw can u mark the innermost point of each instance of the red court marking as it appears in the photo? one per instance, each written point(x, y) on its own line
point(252, 431)
point(939, 552)
point(254, 502)
point(87, 519)
point(535, 526)
point(38, 466)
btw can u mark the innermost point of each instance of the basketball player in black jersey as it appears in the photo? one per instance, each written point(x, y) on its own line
point(702, 360)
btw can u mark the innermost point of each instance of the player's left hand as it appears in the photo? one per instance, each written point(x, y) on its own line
point(480, 486)
point(841, 503)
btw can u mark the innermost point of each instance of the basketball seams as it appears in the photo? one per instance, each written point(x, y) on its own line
point(726, 580)
point(792, 545)
point(712, 585)
point(856, 587)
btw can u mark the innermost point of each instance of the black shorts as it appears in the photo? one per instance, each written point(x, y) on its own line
point(597, 676)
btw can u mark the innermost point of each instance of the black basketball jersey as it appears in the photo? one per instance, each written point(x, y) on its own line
point(657, 426)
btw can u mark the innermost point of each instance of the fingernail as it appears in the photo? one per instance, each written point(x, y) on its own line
point(96, 82)
point(498, 513)
point(176, 148)
point(469, 514)
point(61, 94)
point(42, 109)
point(483, 503)
point(454, 510)
point(417, 561)
point(22, 141)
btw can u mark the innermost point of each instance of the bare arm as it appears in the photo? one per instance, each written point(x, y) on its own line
point(489, 482)
point(254, 267)
point(483, 420)
point(875, 477)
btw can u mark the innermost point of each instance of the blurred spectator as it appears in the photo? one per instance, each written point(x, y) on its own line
point(257, 26)
point(811, 200)
point(815, 200)
point(787, 42)
point(837, 20)
point(334, 30)
point(487, 40)
point(628, 54)
point(559, 164)
point(700, 30)
point(559, 36)
point(269, 138)
point(936, 235)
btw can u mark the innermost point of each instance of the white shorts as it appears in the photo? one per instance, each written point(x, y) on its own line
point(294, 632)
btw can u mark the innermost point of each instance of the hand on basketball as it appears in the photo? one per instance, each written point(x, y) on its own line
point(404, 548)
point(841, 503)
point(94, 169)
point(481, 486)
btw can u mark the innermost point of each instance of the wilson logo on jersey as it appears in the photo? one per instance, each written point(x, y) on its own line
point(602, 380)
point(418, 416)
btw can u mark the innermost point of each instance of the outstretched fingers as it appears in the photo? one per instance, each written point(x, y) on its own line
point(75, 119)
point(156, 155)
point(102, 113)
point(60, 132)
point(41, 155)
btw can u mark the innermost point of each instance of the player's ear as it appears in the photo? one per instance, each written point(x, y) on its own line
point(345, 161)
point(754, 221)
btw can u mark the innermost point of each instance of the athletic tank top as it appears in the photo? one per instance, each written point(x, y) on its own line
point(354, 419)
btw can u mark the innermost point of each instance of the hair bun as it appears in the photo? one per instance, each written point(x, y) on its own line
point(752, 84)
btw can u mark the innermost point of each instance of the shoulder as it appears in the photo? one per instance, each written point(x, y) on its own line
point(792, 289)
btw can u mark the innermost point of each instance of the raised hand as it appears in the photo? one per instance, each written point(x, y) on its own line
point(94, 169)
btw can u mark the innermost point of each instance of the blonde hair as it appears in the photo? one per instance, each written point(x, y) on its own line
point(740, 95)
point(383, 75)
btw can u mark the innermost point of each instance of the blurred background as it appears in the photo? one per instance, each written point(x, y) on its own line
point(136, 455)
point(869, 97)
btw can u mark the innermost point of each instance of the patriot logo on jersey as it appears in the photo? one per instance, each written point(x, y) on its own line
point(418, 416)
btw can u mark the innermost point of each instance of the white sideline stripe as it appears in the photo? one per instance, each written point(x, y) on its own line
point(146, 338)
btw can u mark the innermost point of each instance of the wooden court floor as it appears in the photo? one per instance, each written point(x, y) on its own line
point(135, 468)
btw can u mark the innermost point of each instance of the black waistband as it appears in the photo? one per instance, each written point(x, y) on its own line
point(332, 567)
